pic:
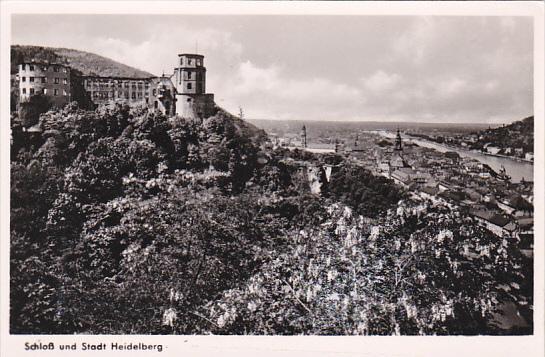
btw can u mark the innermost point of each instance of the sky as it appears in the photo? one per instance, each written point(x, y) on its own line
point(376, 68)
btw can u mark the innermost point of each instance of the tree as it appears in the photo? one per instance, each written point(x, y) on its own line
point(29, 111)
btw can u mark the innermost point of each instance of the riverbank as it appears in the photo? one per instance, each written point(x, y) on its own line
point(518, 159)
point(516, 169)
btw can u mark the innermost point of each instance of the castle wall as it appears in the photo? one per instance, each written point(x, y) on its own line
point(195, 106)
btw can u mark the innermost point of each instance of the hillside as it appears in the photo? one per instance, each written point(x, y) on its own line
point(144, 224)
point(519, 134)
point(85, 62)
point(241, 127)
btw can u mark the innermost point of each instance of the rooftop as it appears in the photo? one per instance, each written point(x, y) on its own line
point(190, 55)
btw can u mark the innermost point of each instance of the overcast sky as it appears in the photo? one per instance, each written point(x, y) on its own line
point(449, 69)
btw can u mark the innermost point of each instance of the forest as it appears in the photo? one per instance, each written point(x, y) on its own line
point(123, 221)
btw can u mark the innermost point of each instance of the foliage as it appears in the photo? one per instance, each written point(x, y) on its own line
point(125, 221)
point(29, 111)
point(367, 194)
point(419, 272)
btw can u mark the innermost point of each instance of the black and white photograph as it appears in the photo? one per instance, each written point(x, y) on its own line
point(272, 175)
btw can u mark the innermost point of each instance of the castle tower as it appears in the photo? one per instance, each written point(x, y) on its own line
point(190, 81)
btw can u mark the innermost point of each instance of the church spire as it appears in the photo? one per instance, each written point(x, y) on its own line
point(398, 146)
point(304, 136)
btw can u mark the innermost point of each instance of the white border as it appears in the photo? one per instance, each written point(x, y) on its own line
point(13, 345)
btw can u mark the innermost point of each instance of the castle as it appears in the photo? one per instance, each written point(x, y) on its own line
point(186, 96)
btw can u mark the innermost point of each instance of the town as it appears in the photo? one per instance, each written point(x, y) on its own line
point(440, 179)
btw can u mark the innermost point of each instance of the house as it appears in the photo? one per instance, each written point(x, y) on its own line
point(496, 223)
point(404, 176)
point(429, 193)
point(516, 205)
point(444, 185)
point(493, 150)
point(525, 226)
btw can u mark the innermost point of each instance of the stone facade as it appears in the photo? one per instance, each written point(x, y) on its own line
point(50, 79)
point(106, 89)
point(157, 93)
point(163, 95)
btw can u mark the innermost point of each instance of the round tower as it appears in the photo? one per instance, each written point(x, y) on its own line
point(190, 74)
point(190, 81)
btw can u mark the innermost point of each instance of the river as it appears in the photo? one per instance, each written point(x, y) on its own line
point(516, 169)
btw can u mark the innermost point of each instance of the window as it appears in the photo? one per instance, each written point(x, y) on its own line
point(55, 68)
point(65, 81)
point(154, 92)
point(45, 90)
point(24, 90)
point(181, 61)
point(188, 75)
point(23, 79)
point(189, 100)
point(189, 61)
point(198, 62)
point(156, 105)
point(31, 79)
point(56, 80)
point(44, 79)
point(55, 92)
point(31, 90)
point(189, 86)
point(23, 67)
point(133, 95)
point(31, 67)
point(64, 92)
point(65, 70)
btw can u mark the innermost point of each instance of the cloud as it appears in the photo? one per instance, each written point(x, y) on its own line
point(273, 92)
point(438, 68)
point(381, 81)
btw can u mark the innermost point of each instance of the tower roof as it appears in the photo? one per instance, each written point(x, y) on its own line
point(190, 55)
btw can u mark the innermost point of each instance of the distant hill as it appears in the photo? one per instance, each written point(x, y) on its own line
point(339, 128)
point(519, 134)
point(87, 63)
